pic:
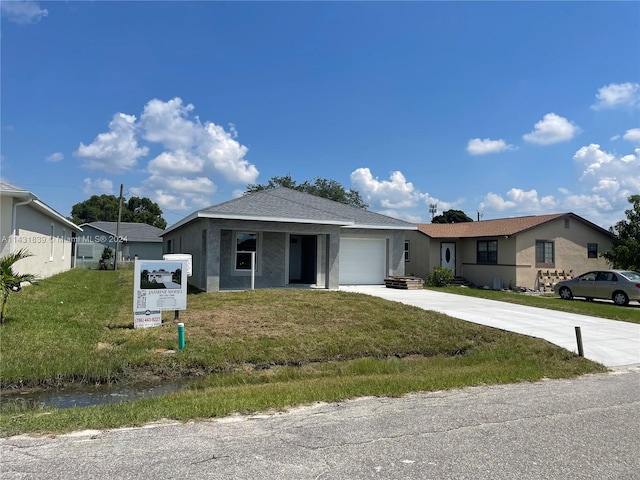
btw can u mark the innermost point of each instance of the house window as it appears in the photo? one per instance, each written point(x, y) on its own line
point(406, 250)
point(487, 251)
point(592, 250)
point(566, 223)
point(246, 243)
point(545, 253)
point(169, 246)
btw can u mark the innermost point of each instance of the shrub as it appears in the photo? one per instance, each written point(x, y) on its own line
point(440, 277)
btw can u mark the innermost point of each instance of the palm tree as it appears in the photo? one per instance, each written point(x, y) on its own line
point(9, 280)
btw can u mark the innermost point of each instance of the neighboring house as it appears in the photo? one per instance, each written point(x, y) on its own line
point(509, 252)
point(160, 276)
point(295, 238)
point(137, 239)
point(27, 222)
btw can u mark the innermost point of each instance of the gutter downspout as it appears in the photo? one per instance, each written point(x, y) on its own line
point(14, 221)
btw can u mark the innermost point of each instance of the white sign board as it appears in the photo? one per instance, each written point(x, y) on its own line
point(180, 257)
point(158, 285)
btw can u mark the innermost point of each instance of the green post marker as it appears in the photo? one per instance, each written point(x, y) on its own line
point(181, 336)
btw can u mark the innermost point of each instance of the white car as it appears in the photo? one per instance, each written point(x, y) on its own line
point(621, 286)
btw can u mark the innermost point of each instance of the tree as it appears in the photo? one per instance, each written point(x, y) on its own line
point(10, 281)
point(320, 187)
point(452, 216)
point(105, 208)
point(625, 253)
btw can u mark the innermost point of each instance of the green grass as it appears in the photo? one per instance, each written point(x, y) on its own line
point(249, 351)
point(596, 308)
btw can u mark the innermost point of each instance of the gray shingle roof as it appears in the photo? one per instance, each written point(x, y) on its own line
point(133, 232)
point(287, 205)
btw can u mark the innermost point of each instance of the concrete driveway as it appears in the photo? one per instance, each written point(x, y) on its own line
point(609, 342)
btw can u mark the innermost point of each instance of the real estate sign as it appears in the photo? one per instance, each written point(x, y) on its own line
point(158, 285)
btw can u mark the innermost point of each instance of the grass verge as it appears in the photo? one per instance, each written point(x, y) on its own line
point(251, 351)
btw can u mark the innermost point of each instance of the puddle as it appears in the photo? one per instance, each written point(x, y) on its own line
point(85, 396)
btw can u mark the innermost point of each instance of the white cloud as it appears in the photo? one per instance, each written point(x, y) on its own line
point(605, 171)
point(167, 123)
point(114, 151)
point(194, 148)
point(54, 157)
point(632, 135)
point(175, 163)
point(477, 146)
point(625, 95)
point(23, 12)
point(390, 196)
point(98, 186)
point(227, 155)
point(520, 202)
point(552, 129)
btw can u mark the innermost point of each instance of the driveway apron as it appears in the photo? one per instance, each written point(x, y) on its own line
point(609, 342)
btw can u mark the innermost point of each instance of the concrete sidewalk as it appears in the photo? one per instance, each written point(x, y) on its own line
point(609, 342)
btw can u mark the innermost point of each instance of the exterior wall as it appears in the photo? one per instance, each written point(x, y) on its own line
point(210, 242)
point(499, 275)
point(419, 264)
point(570, 249)
point(47, 239)
point(92, 242)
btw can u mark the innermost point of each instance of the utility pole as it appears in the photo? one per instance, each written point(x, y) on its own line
point(115, 260)
point(433, 208)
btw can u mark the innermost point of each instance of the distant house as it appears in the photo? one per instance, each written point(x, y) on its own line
point(27, 222)
point(508, 252)
point(160, 276)
point(137, 239)
point(293, 238)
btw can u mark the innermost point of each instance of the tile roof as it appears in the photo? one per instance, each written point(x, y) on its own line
point(288, 205)
point(133, 232)
point(492, 228)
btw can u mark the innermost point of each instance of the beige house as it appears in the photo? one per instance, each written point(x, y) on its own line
point(27, 222)
point(508, 252)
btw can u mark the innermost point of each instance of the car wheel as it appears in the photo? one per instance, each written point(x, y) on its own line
point(620, 298)
point(565, 293)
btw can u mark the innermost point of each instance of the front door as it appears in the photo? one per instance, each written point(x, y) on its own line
point(448, 256)
point(302, 258)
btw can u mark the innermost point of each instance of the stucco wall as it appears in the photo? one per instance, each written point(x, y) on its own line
point(570, 249)
point(48, 240)
point(213, 259)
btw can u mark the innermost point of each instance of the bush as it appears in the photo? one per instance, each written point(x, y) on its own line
point(440, 277)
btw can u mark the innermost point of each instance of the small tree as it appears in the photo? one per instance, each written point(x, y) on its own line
point(625, 253)
point(10, 281)
point(107, 253)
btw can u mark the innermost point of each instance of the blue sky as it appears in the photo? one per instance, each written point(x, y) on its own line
point(500, 109)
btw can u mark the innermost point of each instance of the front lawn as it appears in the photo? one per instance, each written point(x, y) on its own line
point(251, 351)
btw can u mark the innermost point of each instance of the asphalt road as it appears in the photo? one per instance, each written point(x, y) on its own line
point(586, 428)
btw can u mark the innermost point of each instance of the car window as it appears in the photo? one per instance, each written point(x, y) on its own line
point(587, 277)
point(606, 277)
point(631, 275)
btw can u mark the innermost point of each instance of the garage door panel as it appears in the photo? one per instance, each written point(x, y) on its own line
point(362, 261)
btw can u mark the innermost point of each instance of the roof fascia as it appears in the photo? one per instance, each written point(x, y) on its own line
point(380, 227)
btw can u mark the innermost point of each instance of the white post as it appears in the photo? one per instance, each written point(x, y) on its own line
point(253, 270)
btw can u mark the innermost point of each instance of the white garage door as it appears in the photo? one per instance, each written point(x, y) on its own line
point(363, 261)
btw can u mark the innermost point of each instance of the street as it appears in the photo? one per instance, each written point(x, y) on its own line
point(585, 428)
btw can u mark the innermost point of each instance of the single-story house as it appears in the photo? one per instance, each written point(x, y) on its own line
point(27, 222)
point(136, 239)
point(293, 237)
point(509, 252)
